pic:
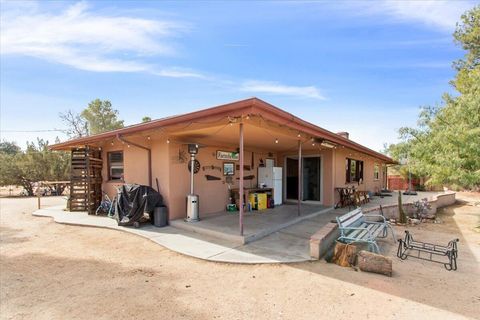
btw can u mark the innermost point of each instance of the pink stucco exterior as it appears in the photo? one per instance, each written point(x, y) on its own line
point(173, 175)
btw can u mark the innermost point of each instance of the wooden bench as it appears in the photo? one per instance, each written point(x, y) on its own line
point(354, 227)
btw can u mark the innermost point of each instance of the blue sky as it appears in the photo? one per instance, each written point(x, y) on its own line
point(363, 67)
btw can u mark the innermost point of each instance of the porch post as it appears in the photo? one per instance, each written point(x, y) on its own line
point(300, 180)
point(240, 183)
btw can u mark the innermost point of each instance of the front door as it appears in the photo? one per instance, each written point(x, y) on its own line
point(311, 184)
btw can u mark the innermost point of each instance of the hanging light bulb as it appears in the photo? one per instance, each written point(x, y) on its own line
point(148, 137)
point(248, 117)
point(168, 141)
point(128, 146)
point(112, 143)
point(299, 135)
point(276, 140)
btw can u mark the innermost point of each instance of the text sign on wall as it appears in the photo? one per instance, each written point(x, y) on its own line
point(227, 155)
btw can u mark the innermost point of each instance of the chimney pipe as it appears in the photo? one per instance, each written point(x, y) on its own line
point(344, 134)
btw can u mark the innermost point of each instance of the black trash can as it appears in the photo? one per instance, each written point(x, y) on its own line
point(160, 216)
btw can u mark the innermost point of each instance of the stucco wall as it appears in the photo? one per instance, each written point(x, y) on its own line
point(369, 183)
point(135, 162)
point(213, 194)
point(334, 171)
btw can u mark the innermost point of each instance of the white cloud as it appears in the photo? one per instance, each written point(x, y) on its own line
point(89, 41)
point(442, 15)
point(179, 73)
point(281, 89)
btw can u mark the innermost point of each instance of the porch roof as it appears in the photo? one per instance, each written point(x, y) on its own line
point(281, 120)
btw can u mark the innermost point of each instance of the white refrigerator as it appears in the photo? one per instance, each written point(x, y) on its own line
point(271, 177)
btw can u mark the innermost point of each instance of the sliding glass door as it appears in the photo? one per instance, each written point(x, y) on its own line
point(311, 184)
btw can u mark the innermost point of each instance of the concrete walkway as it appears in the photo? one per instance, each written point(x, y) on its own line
point(287, 245)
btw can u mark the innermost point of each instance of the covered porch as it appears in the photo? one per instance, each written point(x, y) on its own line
point(258, 142)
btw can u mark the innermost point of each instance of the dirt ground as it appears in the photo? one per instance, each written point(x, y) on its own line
point(53, 271)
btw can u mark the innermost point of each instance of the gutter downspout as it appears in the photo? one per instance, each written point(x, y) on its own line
point(119, 137)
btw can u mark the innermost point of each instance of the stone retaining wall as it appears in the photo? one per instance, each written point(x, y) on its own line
point(324, 238)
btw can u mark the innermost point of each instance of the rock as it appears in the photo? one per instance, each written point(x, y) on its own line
point(415, 221)
point(372, 262)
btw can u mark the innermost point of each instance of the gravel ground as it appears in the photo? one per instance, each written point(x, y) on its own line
point(53, 271)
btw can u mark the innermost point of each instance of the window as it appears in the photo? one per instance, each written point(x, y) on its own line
point(376, 172)
point(354, 170)
point(115, 165)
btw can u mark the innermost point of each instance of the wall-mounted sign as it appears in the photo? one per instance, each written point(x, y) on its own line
point(227, 155)
point(228, 169)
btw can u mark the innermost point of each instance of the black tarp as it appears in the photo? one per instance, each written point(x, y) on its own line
point(135, 203)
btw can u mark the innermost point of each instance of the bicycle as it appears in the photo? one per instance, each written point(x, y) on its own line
point(106, 206)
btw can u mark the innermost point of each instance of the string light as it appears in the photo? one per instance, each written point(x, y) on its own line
point(112, 143)
point(276, 140)
point(128, 146)
point(168, 141)
point(148, 138)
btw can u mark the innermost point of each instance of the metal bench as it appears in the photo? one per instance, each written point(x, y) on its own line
point(427, 251)
point(354, 227)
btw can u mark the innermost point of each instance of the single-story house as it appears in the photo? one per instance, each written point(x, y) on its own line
point(234, 140)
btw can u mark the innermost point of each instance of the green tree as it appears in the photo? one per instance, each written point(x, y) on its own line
point(36, 163)
point(9, 147)
point(146, 119)
point(445, 145)
point(101, 117)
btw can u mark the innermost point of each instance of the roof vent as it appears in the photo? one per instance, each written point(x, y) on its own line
point(344, 134)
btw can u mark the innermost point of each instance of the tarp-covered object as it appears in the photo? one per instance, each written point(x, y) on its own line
point(135, 203)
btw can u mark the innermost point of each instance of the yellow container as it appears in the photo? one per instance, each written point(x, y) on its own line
point(262, 201)
point(253, 200)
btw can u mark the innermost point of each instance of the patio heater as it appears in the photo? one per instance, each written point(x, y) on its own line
point(192, 199)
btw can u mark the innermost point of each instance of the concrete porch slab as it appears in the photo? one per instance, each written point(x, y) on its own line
point(257, 224)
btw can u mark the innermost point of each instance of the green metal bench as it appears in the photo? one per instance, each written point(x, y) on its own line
point(354, 227)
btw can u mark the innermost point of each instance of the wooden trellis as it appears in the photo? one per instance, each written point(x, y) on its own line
point(86, 179)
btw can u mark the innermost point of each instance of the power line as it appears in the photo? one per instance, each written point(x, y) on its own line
point(47, 130)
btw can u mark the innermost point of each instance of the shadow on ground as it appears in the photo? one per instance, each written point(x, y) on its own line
point(422, 281)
